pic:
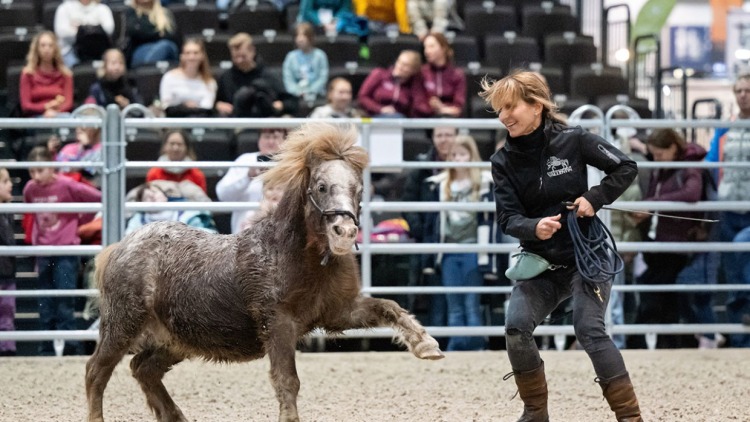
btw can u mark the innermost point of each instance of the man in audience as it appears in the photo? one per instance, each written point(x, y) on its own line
point(248, 89)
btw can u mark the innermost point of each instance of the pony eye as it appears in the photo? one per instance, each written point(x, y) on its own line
point(322, 188)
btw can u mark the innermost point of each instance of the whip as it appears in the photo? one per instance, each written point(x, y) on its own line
point(678, 217)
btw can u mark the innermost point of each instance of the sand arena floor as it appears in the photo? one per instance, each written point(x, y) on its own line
point(675, 385)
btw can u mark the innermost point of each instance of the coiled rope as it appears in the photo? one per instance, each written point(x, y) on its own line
point(596, 254)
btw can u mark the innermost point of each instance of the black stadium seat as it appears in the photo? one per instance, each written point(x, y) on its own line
point(195, 18)
point(509, 52)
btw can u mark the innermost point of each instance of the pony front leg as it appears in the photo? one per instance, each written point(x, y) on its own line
point(371, 312)
point(280, 347)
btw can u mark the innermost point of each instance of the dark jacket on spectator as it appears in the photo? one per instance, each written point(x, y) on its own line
point(7, 263)
point(103, 92)
point(381, 89)
point(232, 80)
point(139, 30)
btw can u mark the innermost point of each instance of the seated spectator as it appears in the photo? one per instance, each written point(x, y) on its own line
point(445, 84)
point(87, 147)
point(668, 184)
point(272, 194)
point(384, 15)
point(324, 14)
point(248, 89)
point(242, 183)
point(113, 86)
point(84, 29)
point(177, 147)
point(46, 85)
point(396, 91)
point(164, 191)
point(189, 90)
point(305, 68)
point(7, 266)
point(150, 33)
point(339, 101)
point(434, 12)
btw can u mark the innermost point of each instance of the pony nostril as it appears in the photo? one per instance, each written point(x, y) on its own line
point(337, 230)
point(353, 232)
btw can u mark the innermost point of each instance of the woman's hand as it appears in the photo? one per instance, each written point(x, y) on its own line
point(584, 207)
point(548, 226)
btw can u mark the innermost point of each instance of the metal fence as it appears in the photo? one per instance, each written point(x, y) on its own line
point(114, 166)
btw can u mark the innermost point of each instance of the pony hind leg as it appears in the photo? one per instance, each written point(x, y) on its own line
point(149, 367)
point(371, 312)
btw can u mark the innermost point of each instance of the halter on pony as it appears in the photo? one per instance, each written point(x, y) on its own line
point(331, 213)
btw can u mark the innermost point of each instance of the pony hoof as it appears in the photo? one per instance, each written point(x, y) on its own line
point(428, 349)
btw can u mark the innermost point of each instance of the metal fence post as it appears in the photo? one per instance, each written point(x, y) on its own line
point(113, 180)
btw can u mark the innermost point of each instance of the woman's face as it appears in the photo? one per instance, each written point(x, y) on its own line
point(191, 56)
point(521, 119)
point(46, 48)
point(433, 51)
point(460, 154)
point(114, 65)
point(663, 154)
point(404, 67)
point(175, 148)
point(341, 95)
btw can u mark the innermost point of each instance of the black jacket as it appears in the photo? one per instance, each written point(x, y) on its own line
point(7, 263)
point(531, 183)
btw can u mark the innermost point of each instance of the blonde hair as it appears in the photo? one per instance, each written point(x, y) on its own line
point(204, 68)
point(157, 15)
point(33, 60)
point(520, 85)
point(475, 174)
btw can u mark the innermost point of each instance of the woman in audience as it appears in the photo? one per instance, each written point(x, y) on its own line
point(189, 90)
point(87, 20)
point(462, 269)
point(305, 69)
point(46, 85)
point(177, 147)
point(396, 91)
point(113, 86)
point(445, 84)
point(151, 33)
point(339, 101)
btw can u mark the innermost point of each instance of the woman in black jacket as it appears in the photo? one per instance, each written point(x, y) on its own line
point(542, 165)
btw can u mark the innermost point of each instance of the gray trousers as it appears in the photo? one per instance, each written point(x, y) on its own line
point(532, 300)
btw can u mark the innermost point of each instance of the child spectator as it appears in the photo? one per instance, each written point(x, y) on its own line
point(305, 69)
point(339, 101)
point(272, 194)
point(87, 147)
point(56, 229)
point(177, 146)
point(7, 267)
point(46, 85)
point(113, 86)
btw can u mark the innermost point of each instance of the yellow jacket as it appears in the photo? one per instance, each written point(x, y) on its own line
point(388, 11)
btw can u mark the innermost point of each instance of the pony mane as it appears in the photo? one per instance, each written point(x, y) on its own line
point(310, 145)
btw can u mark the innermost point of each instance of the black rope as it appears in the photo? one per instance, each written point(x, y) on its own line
point(596, 254)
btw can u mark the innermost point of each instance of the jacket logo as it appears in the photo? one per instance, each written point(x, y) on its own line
point(557, 166)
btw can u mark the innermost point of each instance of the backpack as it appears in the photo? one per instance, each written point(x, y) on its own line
point(91, 42)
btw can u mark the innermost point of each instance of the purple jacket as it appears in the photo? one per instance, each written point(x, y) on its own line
point(448, 83)
point(678, 185)
point(381, 89)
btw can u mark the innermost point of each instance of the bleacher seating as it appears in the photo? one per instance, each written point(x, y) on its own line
point(265, 16)
point(17, 14)
point(593, 81)
point(384, 50)
point(194, 18)
point(510, 51)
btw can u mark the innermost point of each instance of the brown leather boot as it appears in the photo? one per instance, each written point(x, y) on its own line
point(621, 398)
point(532, 387)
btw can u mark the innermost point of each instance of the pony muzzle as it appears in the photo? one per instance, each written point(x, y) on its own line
point(342, 234)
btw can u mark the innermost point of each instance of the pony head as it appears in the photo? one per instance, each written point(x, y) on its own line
point(321, 167)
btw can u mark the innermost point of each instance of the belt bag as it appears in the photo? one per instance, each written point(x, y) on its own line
point(527, 265)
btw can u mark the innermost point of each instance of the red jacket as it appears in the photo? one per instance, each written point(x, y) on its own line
point(192, 174)
point(381, 89)
point(448, 83)
point(36, 89)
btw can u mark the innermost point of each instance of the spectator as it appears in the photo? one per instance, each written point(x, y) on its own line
point(242, 183)
point(150, 33)
point(247, 89)
point(46, 86)
point(384, 15)
point(56, 229)
point(87, 147)
point(113, 86)
point(305, 68)
point(339, 101)
point(668, 184)
point(423, 227)
point(324, 14)
point(462, 269)
point(396, 91)
point(189, 90)
point(733, 145)
point(84, 29)
point(167, 191)
point(177, 147)
point(424, 12)
point(445, 84)
point(7, 266)
point(272, 194)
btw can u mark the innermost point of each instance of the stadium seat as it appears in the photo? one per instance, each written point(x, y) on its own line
point(83, 76)
point(273, 50)
point(416, 141)
point(474, 73)
point(48, 14)
point(510, 51)
point(18, 14)
point(217, 49)
point(254, 21)
point(384, 50)
point(247, 141)
point(142, 145)
point(539, 22)
point(594, 80)
point(339, 49)
point(465, 49)
point(14, 51)
point(147, 80)
point(567, 50)
point(195, 18)
point(213, 144)
point(482, 21)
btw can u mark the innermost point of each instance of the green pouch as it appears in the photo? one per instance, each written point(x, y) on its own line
point(527, 265)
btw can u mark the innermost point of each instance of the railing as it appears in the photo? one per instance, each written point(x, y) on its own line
point(114, 208)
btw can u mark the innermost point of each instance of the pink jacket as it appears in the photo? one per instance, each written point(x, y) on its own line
point(448, 83)
point(381, 89)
